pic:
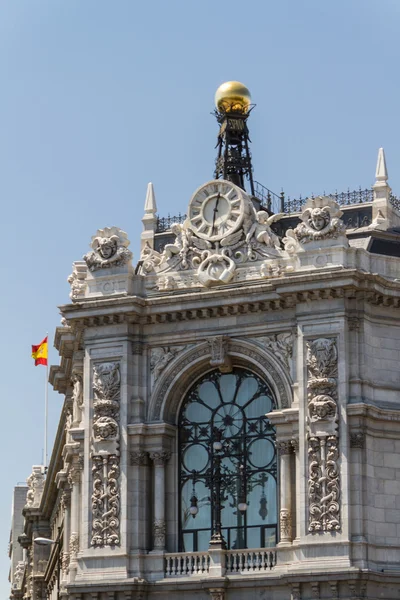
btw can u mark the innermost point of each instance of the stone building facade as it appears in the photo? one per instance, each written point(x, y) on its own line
point(231, 422)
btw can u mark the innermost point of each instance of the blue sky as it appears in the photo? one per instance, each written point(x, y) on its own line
point(98, 98)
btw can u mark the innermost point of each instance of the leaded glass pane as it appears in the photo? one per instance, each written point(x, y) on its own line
point(228, 409)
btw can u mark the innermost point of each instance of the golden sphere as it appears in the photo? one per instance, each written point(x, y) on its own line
point(232, 96)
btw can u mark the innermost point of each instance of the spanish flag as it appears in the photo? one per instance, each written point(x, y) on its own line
point(39, 353)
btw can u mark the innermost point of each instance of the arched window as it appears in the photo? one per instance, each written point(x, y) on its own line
point(227, 463)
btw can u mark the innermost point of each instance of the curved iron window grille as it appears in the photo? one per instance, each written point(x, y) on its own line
point(227, 463)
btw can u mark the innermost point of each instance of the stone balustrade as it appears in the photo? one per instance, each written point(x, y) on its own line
point(187, 564)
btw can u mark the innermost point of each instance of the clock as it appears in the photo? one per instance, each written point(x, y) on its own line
point(216, 210)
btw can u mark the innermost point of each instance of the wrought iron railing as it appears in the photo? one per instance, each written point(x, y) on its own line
point(269, 199)
point(343, 198)
point(278, 203)
point(395, 201)
point(165, 223)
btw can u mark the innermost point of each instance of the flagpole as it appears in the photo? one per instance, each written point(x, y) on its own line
point(46, 405)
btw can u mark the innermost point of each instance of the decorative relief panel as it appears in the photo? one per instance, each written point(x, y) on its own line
point(322, 433)
point(105, 455)
point(280, 344)
point(160, 357)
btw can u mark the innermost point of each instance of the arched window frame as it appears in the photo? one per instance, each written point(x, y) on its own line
point(246, 472)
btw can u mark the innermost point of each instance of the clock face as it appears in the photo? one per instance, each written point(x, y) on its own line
point(216, 210)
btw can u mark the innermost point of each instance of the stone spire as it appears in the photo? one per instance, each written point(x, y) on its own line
point(149, 219)
point(382, 211)
point(150, 205)
point(381, 174)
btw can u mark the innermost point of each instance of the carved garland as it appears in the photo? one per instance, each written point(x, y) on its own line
point(323, 439)
point(105, 455)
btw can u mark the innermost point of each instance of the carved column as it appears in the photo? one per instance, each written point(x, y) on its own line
point(66, 506)
point(323, 437)
point(297, 515)
point(159, 458)
point(284, 449)
point(357, 443)
point(74, 479)
point(139, 460)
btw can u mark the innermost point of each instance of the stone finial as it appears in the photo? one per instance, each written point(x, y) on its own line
point(150, 205)
point(381, 168)
point(149, 220)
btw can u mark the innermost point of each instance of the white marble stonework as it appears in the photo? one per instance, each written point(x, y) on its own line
point(313, 313)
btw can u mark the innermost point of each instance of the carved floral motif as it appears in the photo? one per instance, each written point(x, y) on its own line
point(285, 524)
point(109, 249)
point(74, 545)
point(159, 533)
point(219, 353)
point(105, 455)
point(323, 440)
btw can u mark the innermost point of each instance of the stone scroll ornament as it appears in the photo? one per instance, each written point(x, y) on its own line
point(322, 436)
point(106, 455)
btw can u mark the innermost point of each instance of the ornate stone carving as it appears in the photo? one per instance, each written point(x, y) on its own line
point(295, 444)
point(19, 574)
point(334, 589)
point(284, 447)
point(322, 424)
point(139, 457)
point(35, 484)
point(77, 281)
point(219, 353)
point(285, 524)
point(280, 344)
point(217, 593)
point(159, 533)
point(77, 397)
point(357, 439)
point(296, 591)
point(109, 249)
point(212, 254)
point(105, 455)
point(160, 457)
point(320, 221)
point(73, 545)
point(315, 593)
point(160, 357)
point(65, 562)
point(354, 323)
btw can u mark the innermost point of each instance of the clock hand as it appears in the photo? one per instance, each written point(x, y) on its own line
point(215, 212)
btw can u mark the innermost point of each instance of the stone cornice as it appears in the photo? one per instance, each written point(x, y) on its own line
point(376, 421)
point(277, 294)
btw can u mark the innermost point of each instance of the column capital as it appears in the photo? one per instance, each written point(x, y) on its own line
point(284, 447)
point(160, 457)
point(139, 457)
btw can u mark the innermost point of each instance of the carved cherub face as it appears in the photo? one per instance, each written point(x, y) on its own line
point(262, 217)
point(319, 218)
point(176, 228)
point(107, 247)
